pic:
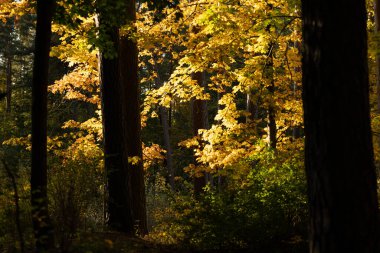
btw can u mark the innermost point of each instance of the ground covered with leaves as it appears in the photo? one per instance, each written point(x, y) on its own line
point(117, 242)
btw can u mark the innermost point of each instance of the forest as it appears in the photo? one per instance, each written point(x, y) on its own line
point(189, 126)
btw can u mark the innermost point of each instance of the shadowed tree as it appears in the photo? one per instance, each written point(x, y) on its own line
point(129, 80)
point(40, 216)
point(118, 201)
point(199, 117)
point(339, 155)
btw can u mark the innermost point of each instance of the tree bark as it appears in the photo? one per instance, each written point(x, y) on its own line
point(168, 147)
point(118, 201)
point(199, 111)
point(165, 115)
point(272, 118)
point(251, 108)
point(268, 73)
point(338, 146)
point(43, 230)
point(129, 80)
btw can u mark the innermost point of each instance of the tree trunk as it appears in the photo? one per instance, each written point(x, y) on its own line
point(165, 115)
point(251, 108)
point(222, 179)
point(297, 130)
point(168, 147)
point(129, 80)
point(43, 230)
point(272, 119)
point(170, 114)
point(339, 154)
point(268, 73)
point(199, 110)
point(118, 201)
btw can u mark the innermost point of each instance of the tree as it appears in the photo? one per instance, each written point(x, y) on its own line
point(40, 216)
point(118, 202)
point(120, 106)
point(199, 115)
point(128, 60)
point(165, 123)
point(338, 147)
point(271, 88)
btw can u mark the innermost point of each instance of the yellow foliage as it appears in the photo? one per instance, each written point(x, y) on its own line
point(134, 160)
point(11, 8)
point(232, 42)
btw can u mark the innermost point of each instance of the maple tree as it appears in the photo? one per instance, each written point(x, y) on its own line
point(217, 55)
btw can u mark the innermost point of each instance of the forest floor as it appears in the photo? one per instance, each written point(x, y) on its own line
point(113, 243)
point(110, 242)
point(117, 242)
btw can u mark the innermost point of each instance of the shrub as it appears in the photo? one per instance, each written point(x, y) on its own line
point(262, 208)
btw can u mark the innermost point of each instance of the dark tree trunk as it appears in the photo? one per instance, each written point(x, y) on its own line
point(165, 115)
point(251, 108)
point(129, 80)
point(222, 180)
point(199, 111)
point(169, 152)
point(339, 155)
point(296, 130)
point(170, 115)
point(272, 125)
point(272, 119)
point(118, 201)
point(41, 223)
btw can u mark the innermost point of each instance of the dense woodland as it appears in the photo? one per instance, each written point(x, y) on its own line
point(189, 126)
